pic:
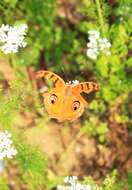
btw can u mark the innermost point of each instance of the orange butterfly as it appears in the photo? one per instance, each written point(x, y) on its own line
point(64, 101)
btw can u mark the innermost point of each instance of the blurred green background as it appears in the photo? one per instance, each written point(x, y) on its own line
point(99, 143)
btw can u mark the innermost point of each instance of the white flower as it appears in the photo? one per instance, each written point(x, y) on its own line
point(66, 179)
point(79, 186)
point(73, 184)
point(72, 180)
point(91, 53)
point(104, 44)
point(87, 187)
point(11, 152)
point(92, 44)
point(97, 45)
point(74, 82)
point(6, 148)
point(2, 155)
point(12, 38)
point(94, 33)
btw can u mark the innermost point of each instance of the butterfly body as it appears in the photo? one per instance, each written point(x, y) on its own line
point(64, 102)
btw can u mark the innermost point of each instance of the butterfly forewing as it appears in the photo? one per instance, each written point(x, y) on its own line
point(58, 82)
point(86, 87)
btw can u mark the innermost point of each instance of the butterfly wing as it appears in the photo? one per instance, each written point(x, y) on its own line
point(86, 87)
point(58, 81)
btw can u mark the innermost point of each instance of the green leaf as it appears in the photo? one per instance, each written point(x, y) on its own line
point(129, 179)
point(108, 94)
point(102, 128)
point(102, 66)
point(3, 184)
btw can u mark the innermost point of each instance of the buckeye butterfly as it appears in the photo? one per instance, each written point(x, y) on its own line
point(64, 101)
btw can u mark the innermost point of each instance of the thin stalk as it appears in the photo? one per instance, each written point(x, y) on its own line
point(10, 61)
point(101, 20)
point(14, 66)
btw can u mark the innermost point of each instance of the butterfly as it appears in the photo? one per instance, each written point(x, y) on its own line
point(64, 101)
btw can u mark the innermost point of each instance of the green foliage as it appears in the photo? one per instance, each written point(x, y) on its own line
point(31, 162)
point(129, 180)
point(3, 184)
point(90, 127)
point(110, 182)
point(9, 108)
point(28, 156)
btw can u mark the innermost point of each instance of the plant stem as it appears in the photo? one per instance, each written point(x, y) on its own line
point(101, 20)
point(11, 62)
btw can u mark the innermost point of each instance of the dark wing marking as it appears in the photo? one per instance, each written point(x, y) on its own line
point(58, 81)
point(86, 87)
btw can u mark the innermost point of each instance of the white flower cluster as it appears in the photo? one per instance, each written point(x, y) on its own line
point(73, 82)
point(97, 45)
point(6, 148)
point(11, 38)
point(73, 184)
